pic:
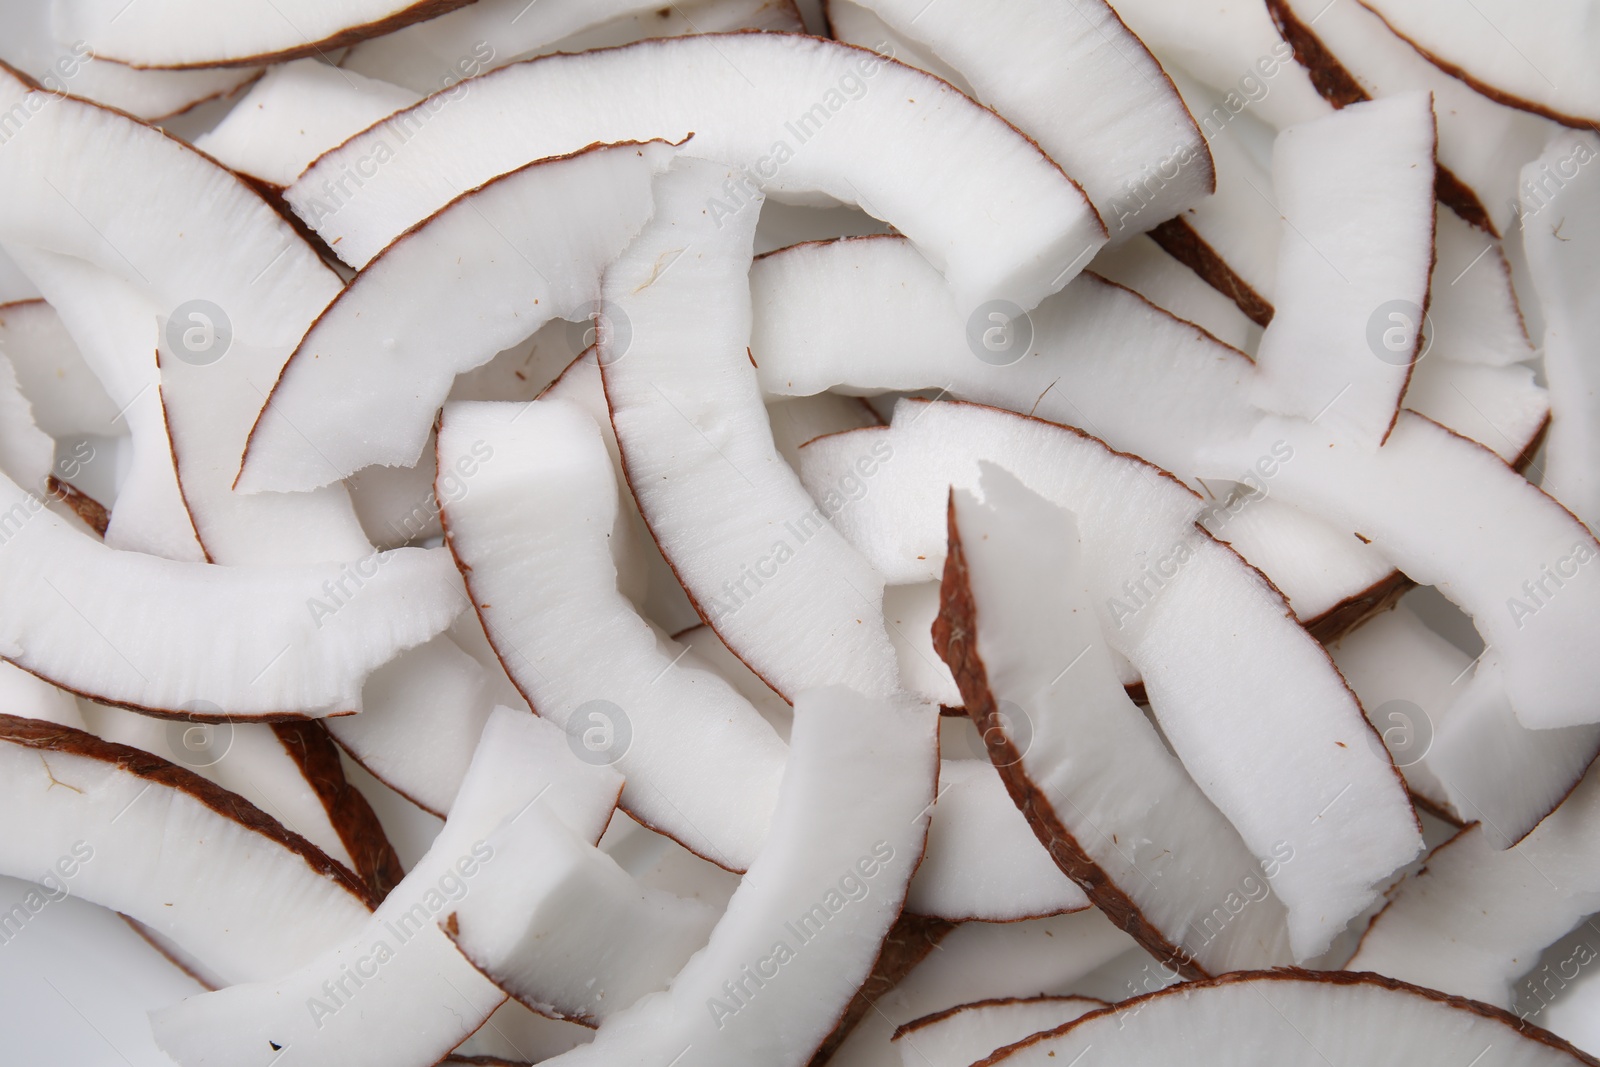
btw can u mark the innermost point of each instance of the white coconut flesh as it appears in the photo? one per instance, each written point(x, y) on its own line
point(1132, 124)
point(1255, 1019)
point(1477, 917)
point(235, 326)
point(155, 841)
point(1560, 218)
point(1350, 47)
point(1007, 224)
point(1536, 68)
point(398, 980)
point(295, 113)
point(385, 352)
point(1157, 581)
point(30, 697)
point(805, 925)
point(1149, 849)
point(440, 52)
point(1149, 270)
point(140, 631)
point(1356, 193)
point(193, 34)
point(115, 327)
point(63, 393)
point(68, 64)
point(1424, 501)
point(27, 454)
point(1473, 304)
point(961, 1036)
point(800, 605)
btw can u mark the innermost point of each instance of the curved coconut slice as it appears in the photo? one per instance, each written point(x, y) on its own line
point(235, 284)
point(1450, 513)
point(157, 842)
point(491, 33)
point(422, 715)
point(979, 960)
point(1504, 409)
point(1295, 1018)
point(757, 556)
point(1005, 223)
point(295, 113)
point(414, 996)
point(68, 65)
point(481, 274)
point(1537, 66)
point(802, 931)
point(66, 397)
point(644, 715)
point(1234, 50)
point(138, 631)
point(1560, 217)
point(191, 33)
point(534, 930)
point(1351, 55)
point(1149, 270)
point(1142, 840)
point(961, 1036)
point(1475, 919)
point(1130, 142)
point(1356, 193)
point(869, 315)
point(1338, 806)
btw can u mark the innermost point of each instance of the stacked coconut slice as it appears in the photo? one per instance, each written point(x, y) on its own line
point(586, 532)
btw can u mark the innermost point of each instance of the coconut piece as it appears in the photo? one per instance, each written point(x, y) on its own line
point(138, 631)
point(66, 398)
point(1158, 583)
point(963, 1035)
point(411, 992)
point(1295, 1017)
point(1560, 220)
point(1451, 514)
point(796, 420)
point(364, 384)
point(1150, 270)
point(118, 827)
point(1503, 409)
point(1197, 897)
point(1472, 306)
point(802, 931)
point(1132, 144)
point(488, 34)
point(1006, 225)
point(296, 112)
point(1356, 192)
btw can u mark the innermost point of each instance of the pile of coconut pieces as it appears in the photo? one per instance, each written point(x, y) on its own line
point(1026, 530)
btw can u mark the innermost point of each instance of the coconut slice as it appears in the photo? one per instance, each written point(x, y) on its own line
point(1356, 193)
point(194, 34)
point(1149, 270)
point(1450, 513)
point(27, 454)
point(1006, 224)
point(534, 931)
point(757, 555)
point(138, 631)
point(1476, 917)
point(799, 419)
point(414, 996)
point(235, 285)
point(1472, 305)
point(909, 612)
point(803, 929)
point(1560, 221)
point(115, 327)
point(1352, 55)
point(1132, 144)
point(28, 697)
point(1295, 1017)
point(365, 382)
point(641, 714)
point(69, 65)
point(1147, 846)
point(481, 36)
point(295, 113)
point(155, 841)
point(66, 398)
point(961, 1036)
point(1338, 804)
point(1504, 409)
point(1537, 67)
